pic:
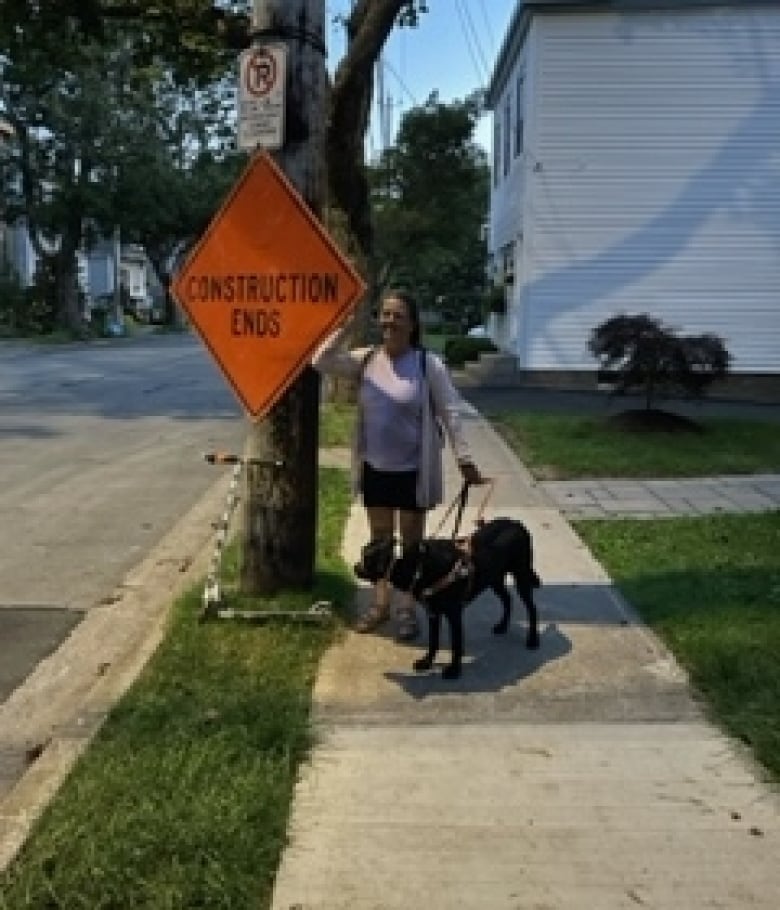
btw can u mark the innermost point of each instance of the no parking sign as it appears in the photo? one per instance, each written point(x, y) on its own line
point(261, 96)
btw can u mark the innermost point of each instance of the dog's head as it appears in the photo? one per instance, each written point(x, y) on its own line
point(376, 557)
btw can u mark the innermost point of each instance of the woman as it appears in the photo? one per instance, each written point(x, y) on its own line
point(404, 399)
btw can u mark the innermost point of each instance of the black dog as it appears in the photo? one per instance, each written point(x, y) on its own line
point(446, 575)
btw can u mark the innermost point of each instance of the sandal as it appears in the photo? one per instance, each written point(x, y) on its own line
point(408, 629)
point(374, 616)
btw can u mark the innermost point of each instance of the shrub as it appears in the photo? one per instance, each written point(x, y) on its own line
point(640, 353)
point(461, 349)
point(23, 311)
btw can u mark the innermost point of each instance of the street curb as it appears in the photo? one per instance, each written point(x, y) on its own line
point(73, 690)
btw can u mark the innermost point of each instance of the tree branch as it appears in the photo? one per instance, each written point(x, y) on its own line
point(368, 28)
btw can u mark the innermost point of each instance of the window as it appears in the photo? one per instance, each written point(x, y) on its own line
point(496, 150)
point(508, 263)
point(519, 116)
point(507, 133)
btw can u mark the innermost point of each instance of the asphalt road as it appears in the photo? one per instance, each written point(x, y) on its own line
point(101, 451)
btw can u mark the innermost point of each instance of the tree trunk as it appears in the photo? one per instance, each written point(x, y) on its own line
point(69, 304)
point(280, 501)
point(349, 203)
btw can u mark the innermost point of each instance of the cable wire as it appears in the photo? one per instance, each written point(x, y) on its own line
point(472, 42)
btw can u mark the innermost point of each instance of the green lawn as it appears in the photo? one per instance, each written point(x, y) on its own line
point(711, 588)
point(555, 447)
point(182, 800)
point(337, 422)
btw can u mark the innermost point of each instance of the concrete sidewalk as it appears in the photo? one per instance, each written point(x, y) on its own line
point(619, 498)
point(582, 775)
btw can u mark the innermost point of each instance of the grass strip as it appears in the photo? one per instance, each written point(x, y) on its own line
point(337, 424)
point(182, 799)
point(557, 447)
point(710, 587)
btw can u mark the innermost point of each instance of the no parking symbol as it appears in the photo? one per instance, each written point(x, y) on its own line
point(262, 76)
point(260, 73)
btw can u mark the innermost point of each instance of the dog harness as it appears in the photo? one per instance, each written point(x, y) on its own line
point(463, 569)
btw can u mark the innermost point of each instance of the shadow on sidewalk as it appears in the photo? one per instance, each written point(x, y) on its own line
point(489, 665)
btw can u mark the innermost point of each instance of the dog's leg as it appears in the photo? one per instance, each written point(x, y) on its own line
point(426, 662)
point(501, 592)
point(455, 619)
point(525, 591)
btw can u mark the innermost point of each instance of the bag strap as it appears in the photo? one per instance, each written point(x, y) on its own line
point(367, 359)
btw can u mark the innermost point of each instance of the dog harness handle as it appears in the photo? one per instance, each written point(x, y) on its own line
point(490, 482)
point(460, 501)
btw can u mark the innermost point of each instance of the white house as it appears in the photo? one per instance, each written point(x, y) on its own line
point(96, 269)
point(636, 169)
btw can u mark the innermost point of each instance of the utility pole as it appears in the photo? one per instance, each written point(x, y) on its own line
point(280, 495)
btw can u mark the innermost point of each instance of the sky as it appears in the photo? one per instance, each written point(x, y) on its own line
point(452, 52)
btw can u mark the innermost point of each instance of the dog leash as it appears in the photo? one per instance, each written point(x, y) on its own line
point(460, 501)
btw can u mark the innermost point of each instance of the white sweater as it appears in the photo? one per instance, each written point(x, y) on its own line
point(446, 405)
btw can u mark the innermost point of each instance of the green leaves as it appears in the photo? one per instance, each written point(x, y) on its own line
point(429, 195)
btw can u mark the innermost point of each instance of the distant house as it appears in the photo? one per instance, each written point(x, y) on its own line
point(636, 168)
point(136, 276)
point(96, 270)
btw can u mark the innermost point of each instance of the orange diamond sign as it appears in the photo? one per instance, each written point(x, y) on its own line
point(265, 285)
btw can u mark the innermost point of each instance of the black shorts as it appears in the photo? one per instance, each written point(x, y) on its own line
point(390, 489)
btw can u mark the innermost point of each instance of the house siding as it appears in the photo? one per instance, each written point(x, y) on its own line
point(507, 204)
point(650, 181)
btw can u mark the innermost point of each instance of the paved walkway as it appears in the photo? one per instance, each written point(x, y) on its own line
point(609, 498)
point(581, 775)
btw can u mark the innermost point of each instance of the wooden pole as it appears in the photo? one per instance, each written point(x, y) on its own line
point(280, 496)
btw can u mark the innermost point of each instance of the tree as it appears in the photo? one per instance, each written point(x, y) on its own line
point(429, 231)
point(368, 28)
point(104, 140)
point(189, 43)
point(640, 353)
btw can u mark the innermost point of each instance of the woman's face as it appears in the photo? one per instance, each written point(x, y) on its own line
point(395, 323)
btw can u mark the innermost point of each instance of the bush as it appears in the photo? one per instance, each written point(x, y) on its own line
point(23, 311)
point(459, 350)
point(639, 353)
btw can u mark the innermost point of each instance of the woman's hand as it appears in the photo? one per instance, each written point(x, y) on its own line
point(470, 473)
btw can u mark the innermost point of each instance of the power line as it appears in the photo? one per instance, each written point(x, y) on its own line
point(488, 28)
point(403, 85)
point(472, 43)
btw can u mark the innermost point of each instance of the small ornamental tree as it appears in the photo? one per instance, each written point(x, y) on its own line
point(641, 354)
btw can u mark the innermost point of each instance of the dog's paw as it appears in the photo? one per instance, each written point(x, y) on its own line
point(501, 628)
point(532, 641)
point(451, 671)
point(423, 664)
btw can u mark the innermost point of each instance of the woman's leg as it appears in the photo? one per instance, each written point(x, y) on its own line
point(381, 525)
point(412, 527)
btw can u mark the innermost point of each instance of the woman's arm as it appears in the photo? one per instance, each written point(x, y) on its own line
point(447, 405)
point(333, 358)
